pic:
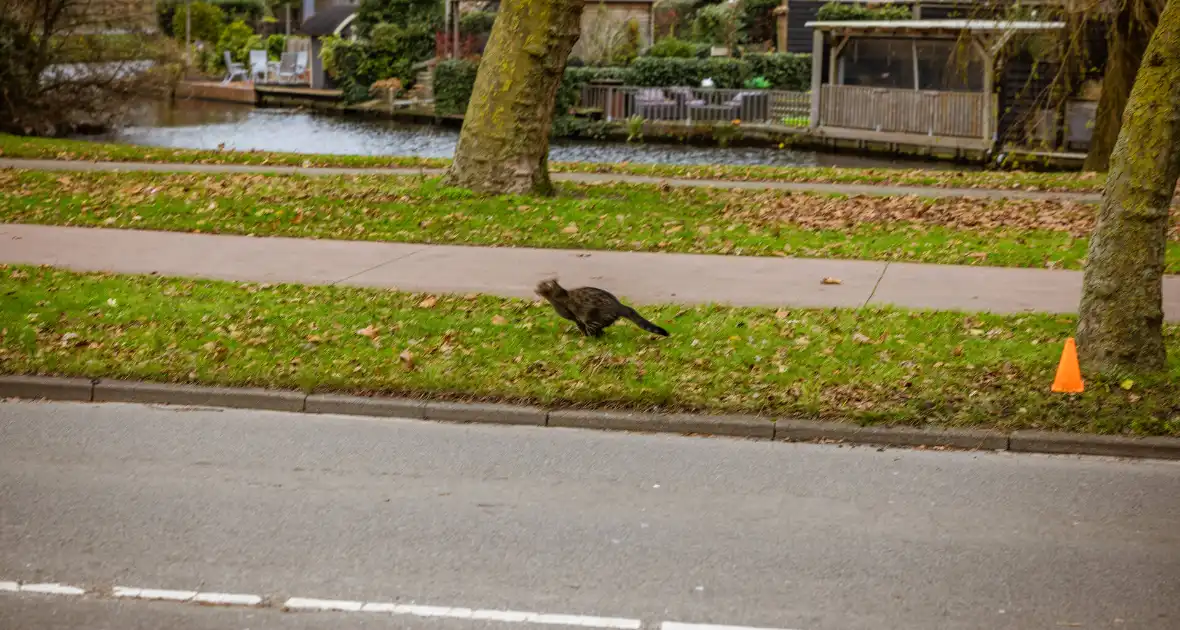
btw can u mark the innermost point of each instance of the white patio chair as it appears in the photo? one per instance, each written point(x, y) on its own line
point(258, 65)
point(233, 69)
point(286, 71)
point(300, 63)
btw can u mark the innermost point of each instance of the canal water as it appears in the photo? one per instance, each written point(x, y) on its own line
point(192, 124)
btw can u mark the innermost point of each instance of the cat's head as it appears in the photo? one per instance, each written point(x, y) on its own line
point(550, 289)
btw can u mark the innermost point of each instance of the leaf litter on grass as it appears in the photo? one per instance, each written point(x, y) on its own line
point(867, 366)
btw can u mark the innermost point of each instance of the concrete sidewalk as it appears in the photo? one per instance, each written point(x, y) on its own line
point(583, 178)
point(513, 272)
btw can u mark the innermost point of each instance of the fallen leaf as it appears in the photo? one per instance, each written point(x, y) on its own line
point(570, 229)
point(368, 331)
point(499, 320)
point(859, 338)
point(407, 358)
point(830, 280)
point(1127, 384)
point(782, 314)
point(428, 302)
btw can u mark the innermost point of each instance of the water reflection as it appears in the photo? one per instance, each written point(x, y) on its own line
point(192, 124)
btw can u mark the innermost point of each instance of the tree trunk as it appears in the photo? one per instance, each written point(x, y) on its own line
point(504, 145)
point(1129, 34)
point(1122, 313)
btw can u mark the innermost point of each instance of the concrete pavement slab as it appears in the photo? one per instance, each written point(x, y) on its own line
point(638, 277)
point(222, 257)
point(641, 277)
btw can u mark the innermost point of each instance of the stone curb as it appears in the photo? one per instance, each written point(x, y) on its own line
point(365, 406)
point(196, 395)
point(1108, 445)
point(807, 431)
point(731, 426)
point(47, 387)
point(787, 430)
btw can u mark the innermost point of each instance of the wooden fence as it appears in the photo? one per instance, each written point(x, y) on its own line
point(954, 114)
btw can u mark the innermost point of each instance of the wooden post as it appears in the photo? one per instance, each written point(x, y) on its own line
point(781, 14)
point(817, 76)
point(914, 56)
point(447, 21)
point(188, 31)
point(989, 87)
point(455, 16)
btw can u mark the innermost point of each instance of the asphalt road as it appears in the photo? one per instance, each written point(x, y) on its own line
point(642, 527)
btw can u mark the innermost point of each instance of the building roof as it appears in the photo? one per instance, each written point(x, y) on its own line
point(327, 22)
point(933, 26)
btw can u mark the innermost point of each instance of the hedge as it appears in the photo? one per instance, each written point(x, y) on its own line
point(454, 81)
point(571, 85)
point(783, 71)
point(843, 12)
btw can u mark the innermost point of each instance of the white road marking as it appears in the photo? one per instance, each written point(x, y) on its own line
point(505, 616)
point(52, 589)
point(675, 625)
point(154, 594)
point(227, 599)
point(302, 604)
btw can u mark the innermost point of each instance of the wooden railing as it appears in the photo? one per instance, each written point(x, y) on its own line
point(699, 105)
point(955, 114)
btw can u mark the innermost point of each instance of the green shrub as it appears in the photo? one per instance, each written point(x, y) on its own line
point(658, 72)
point(454, 80)
point(628, 47)
point(390, 52)
point(207, 22)
point(716, 24)
point(756, 20)
point(842, 12)
point(477, 23)
point(673, 47)
point(784, 71)
point(237, 38)
point(276, 45)
point(570, 91)
point(427, 14)
point(245, 10)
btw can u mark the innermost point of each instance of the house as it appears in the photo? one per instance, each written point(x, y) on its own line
point(602, 22)
point(964, 84)
point(113, 16)
point(332, 20)
point(604, 19)
point(311, 7)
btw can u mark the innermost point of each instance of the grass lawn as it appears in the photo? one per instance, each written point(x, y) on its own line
point(20, 147)
point(871, 366)
point(605, 217)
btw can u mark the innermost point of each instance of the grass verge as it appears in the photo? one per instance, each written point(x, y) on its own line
point(42, 148)
point(870, 366)
point(603, 217)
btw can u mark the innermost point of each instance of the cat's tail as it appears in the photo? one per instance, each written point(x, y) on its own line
point(632, 315)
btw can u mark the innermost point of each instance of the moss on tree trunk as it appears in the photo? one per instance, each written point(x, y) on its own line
point(1120, 329)
point(1130, 31)
point(504, 145)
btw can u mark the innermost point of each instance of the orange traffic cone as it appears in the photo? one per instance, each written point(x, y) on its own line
point(1069, 375)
